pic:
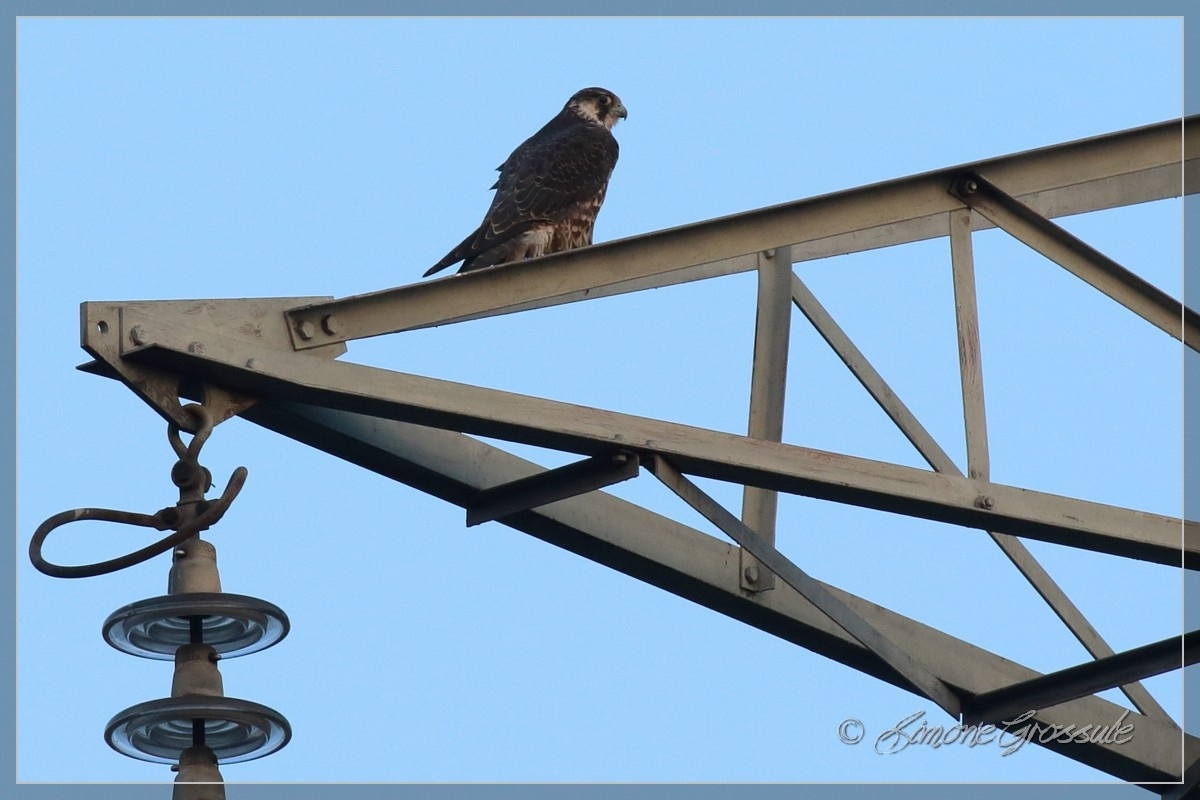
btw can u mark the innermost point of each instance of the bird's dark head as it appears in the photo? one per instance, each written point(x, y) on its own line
point(598, 105)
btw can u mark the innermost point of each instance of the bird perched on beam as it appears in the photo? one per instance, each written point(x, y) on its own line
point(550, 189)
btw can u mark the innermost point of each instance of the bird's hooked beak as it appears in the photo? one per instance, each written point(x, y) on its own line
point(619, 110)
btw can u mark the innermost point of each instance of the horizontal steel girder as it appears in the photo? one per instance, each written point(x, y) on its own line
point(1133, 166)
point(704, 569)
point(697, 451)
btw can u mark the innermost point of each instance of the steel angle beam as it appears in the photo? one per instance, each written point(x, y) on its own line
point(896, 657)
point(768, 383)
point(1085, 679)
point(704, 569)
point(1115, 169)
point(706, 453)
point(931, 451)
point(550, 486)
point(1078, 257)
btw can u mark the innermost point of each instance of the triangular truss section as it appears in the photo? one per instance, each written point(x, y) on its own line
point(275, 362)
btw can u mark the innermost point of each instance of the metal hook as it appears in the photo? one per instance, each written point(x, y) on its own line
point(191, 451)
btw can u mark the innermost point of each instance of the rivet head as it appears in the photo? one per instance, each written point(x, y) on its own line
point(137, 335)
point(751, 573)
point(196, 348)
point(983, 501)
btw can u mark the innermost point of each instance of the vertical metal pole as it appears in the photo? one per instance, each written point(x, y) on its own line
point(978, 460)
point(970, 365)
point(772, 332)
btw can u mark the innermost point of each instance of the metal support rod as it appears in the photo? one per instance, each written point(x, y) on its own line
point(970, 361)
point(703, 569)
point(1101, 172)
point(868, 376)
point(713, 454)
point(931, 451)
point(768, 382)
point(912, 670)
point(1079, 258)
point(550, 486)
point(1085, 679)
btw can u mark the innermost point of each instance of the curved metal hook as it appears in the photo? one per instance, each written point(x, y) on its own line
point(162, 520)
point(191, 451)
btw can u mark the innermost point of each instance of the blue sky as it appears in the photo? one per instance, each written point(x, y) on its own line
point(187, 158)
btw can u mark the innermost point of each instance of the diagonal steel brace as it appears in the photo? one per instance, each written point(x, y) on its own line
point(912, 670)
point(1079, 258)
point(1084, 679)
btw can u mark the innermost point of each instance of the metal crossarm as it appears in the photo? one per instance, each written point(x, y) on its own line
point(275, 362)
point(1117, 169)
point(702, 568)
point(712, 454)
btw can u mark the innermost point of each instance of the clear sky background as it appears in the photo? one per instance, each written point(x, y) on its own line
point(189, 158)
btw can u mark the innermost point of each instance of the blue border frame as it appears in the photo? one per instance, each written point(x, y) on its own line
point(18, 8)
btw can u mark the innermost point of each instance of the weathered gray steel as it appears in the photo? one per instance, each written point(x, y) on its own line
point(768, 381)
point(703, 569)
point(597, 472)
point(970, 361)
point(931, 451)
point(1079, 258)
point(869, 377)
point(247, 349)
point(902, 660)
point(706, 453)
point(1085, 679)
point(1116, 169)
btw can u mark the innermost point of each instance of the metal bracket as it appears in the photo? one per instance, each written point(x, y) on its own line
point(1083, 680)
point(551, 486)
point(111, 331)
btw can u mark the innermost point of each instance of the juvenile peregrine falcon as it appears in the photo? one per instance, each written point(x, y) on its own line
point(550, 189)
